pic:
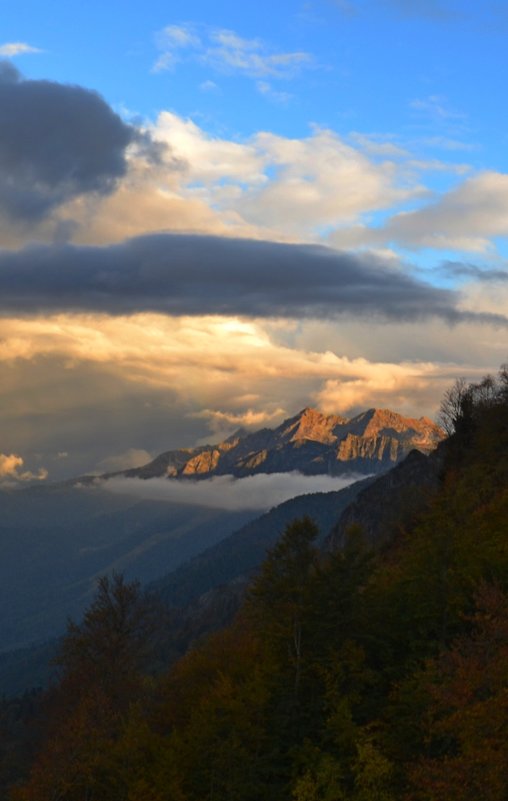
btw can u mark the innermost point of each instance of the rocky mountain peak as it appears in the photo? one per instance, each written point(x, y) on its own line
point(375, 422)
point(310, 424)
point(310, 442)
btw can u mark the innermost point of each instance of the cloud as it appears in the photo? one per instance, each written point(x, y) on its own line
point(458, 269)
point(11, 49)
point(391, 384)
point(282, 98)
point(185, 274)
point(56, 141)
point(259, 492)
point(132, 457)
point(250, 419)
point(319, 181)
point(102, 384)
point(446, 143)
point(264, 187)
point(223, 50)
point(230, 52)
point(288, 187)
point(178, 36)
point(172, 41)
point(209, 86)
point(11, 469)
point(464, 218)
point(209, 159)
point(436, 108)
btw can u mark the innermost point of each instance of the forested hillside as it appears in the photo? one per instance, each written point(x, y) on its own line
point(365, 673)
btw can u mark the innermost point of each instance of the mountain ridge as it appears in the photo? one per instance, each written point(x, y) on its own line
point(311, 442)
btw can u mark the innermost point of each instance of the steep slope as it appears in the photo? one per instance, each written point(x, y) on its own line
point(394, 498)
point(310, 442)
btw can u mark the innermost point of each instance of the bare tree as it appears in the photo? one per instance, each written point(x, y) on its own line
point(452, 405)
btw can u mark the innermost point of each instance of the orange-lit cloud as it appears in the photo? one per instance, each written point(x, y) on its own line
point(11, 468)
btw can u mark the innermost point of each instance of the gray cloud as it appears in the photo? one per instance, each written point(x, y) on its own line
point(259, 492)
point(458, 269)
point(188, 274)
point(56, 141)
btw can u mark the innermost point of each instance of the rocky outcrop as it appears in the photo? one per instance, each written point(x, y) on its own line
point(204, 462)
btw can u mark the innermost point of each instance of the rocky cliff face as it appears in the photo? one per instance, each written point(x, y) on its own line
point(310, 442)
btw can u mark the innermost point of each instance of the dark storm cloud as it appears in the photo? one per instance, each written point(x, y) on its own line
point(189, 274)
point(56, 142)
point(458, 269)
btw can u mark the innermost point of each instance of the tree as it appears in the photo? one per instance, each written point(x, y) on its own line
point(112, 644)
point(102, 660)
point(454, 405)
point(467, 731)
point(279, 598)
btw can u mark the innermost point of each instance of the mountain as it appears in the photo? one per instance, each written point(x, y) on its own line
point(310, 442)
point(355, 672)
point(56, 541)
point(203, 593)
point(243, 551)
point(392, 500)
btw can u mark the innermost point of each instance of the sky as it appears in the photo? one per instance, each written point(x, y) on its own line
point(215, 214)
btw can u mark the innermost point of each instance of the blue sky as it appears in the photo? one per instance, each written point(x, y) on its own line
point(404, 69)
point(373, 128)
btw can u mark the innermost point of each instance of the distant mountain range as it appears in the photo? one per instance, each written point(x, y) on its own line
point(310, 442)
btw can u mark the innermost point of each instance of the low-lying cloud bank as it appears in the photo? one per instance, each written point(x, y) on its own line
point(260, 492)
point(193, 275)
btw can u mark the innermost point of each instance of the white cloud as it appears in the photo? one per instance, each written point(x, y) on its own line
point(224, 50)
point(319, 181)
point(172, 41)
point(11, 49)
point(178, 36)
point(209, 159)
point(209, 86)
point(465, 218)
point(281, 187)
point(379, 145)
point(260, 492)
point(266, 89)
point(436, 108)
point(230, 52)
